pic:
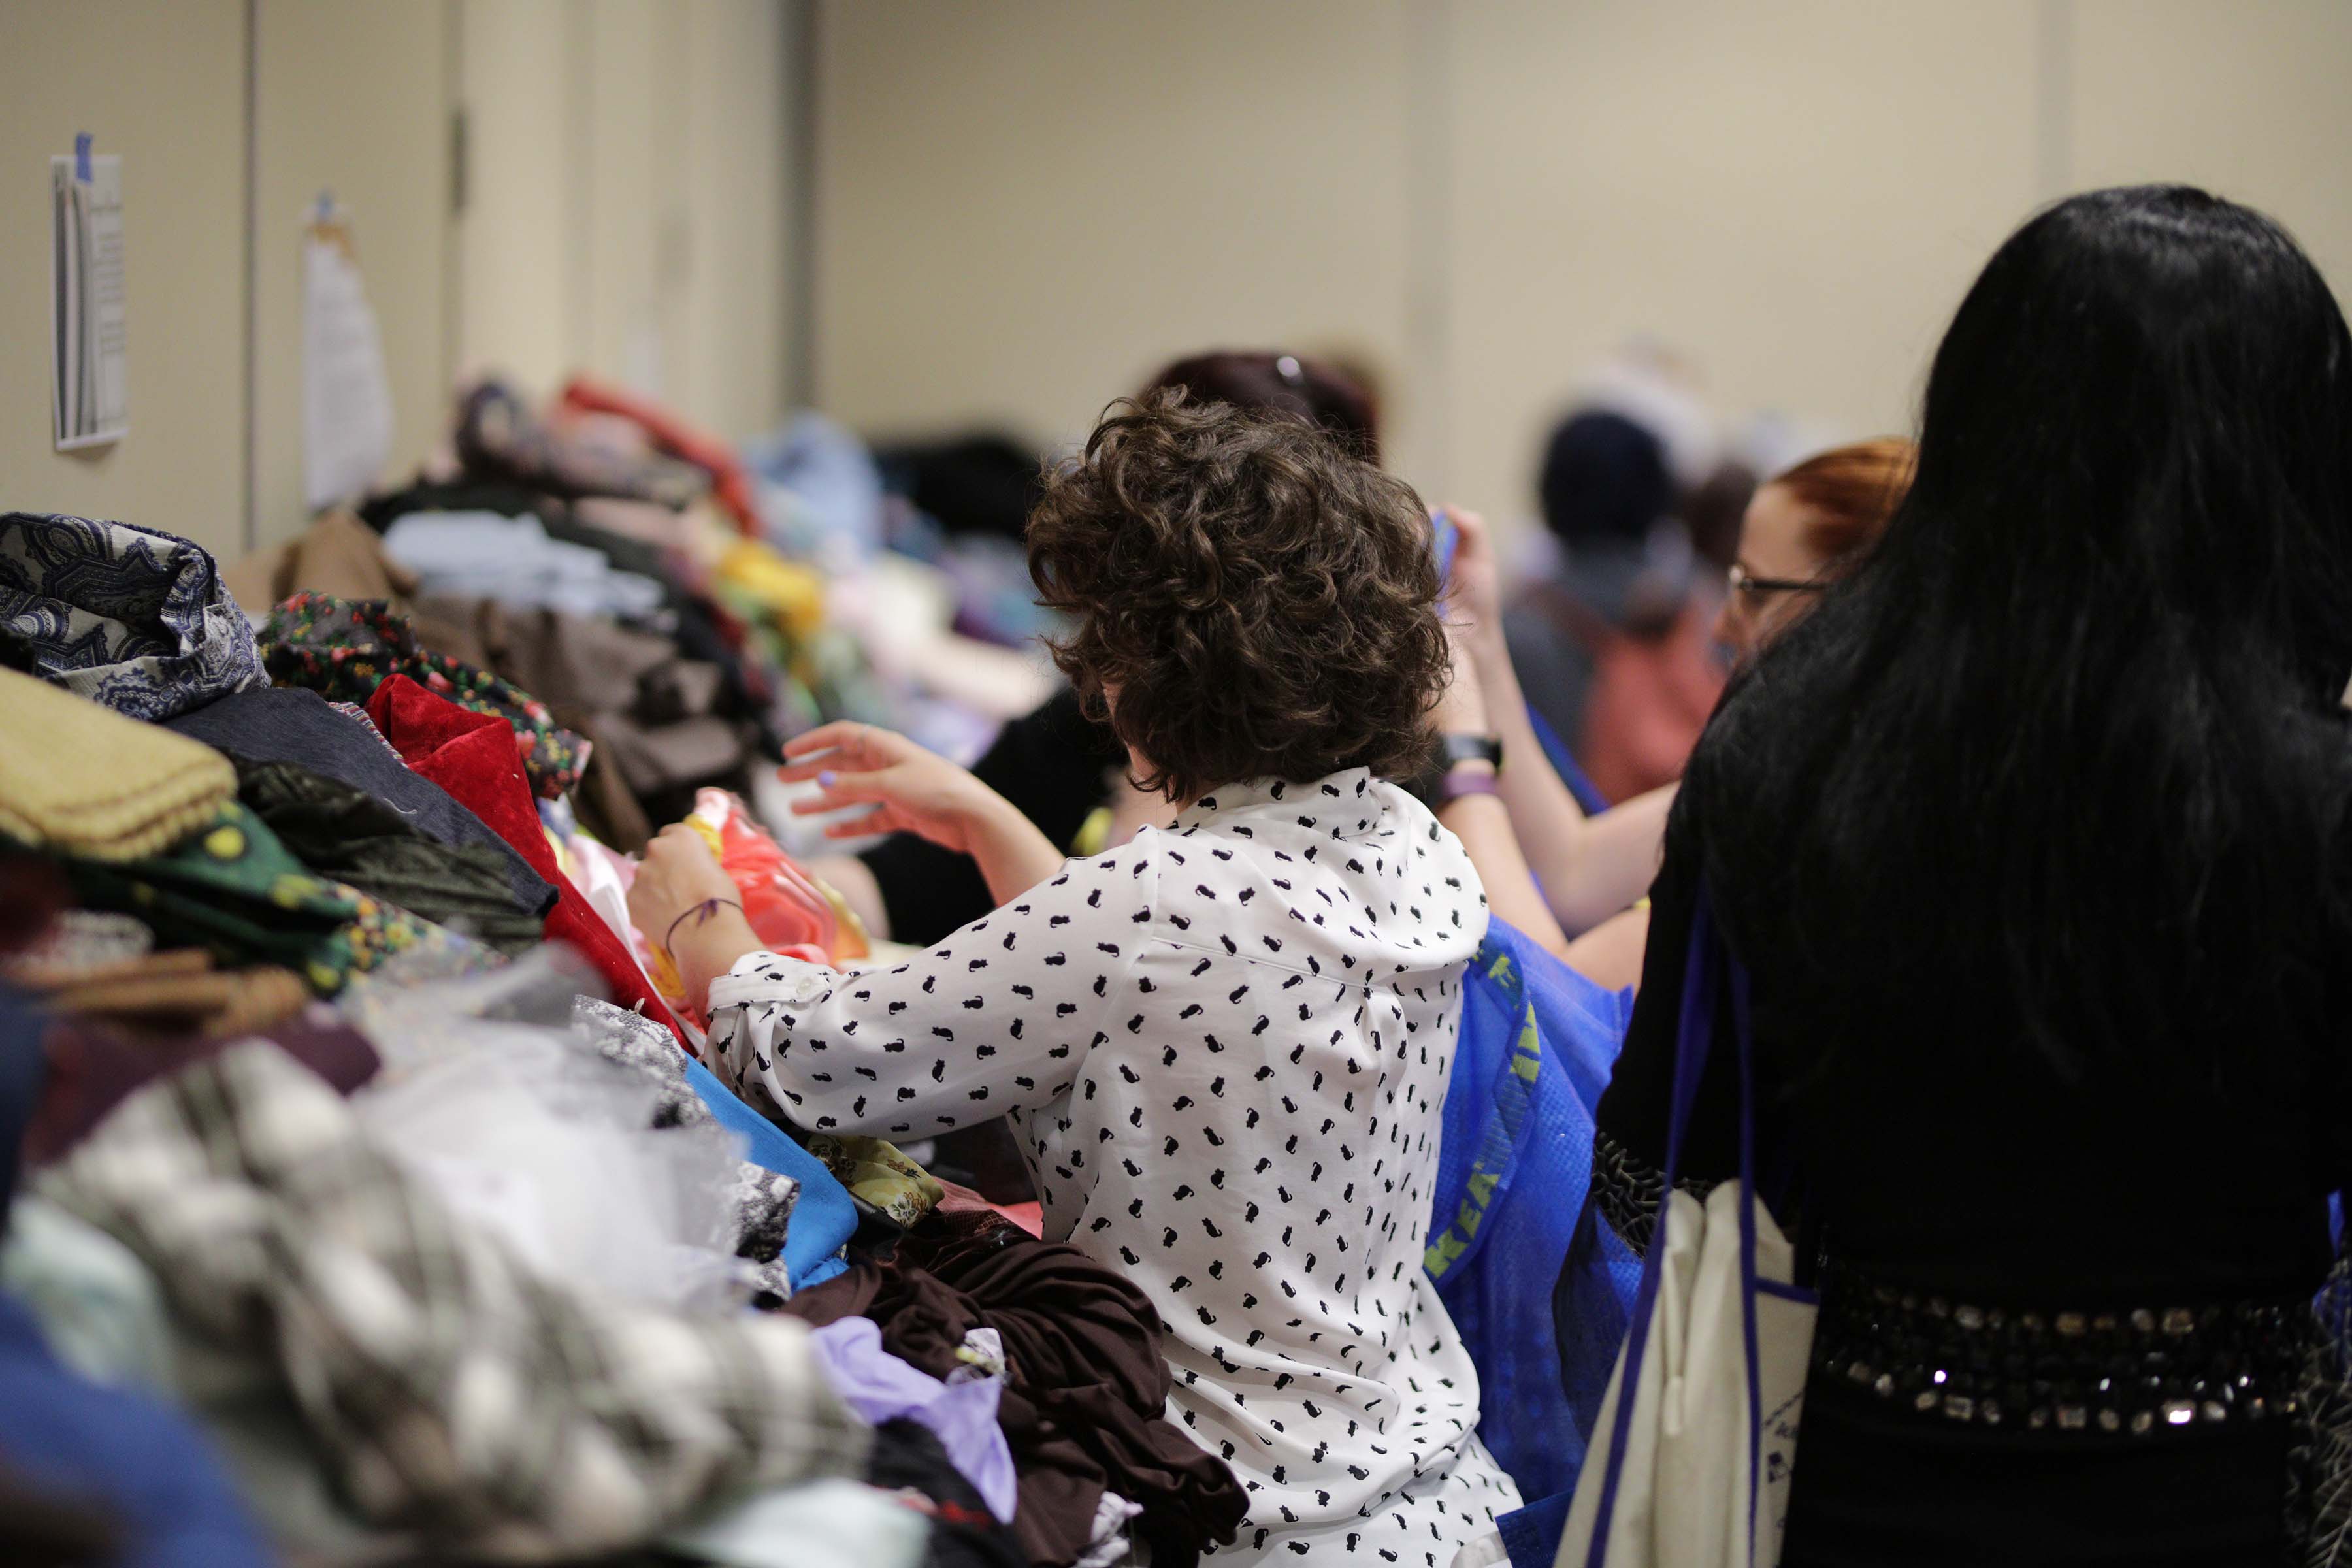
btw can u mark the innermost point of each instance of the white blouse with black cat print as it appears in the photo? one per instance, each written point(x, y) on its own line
point(1225, 1048)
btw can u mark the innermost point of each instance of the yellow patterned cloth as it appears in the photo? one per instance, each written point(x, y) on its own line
point(82, 780)
point(878, 1172)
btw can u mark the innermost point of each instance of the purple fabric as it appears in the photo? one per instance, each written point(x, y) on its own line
point(962, 1415)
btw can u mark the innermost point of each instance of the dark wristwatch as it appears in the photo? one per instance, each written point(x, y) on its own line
point(1487, 749)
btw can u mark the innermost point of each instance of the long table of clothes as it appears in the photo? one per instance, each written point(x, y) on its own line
point(366, 1178)
point(366, 1198)
point(371, 1208)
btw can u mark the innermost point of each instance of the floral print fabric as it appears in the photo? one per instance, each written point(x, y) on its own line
point(343, 649)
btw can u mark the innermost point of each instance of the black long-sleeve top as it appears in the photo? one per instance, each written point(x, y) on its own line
point(1936, 1148)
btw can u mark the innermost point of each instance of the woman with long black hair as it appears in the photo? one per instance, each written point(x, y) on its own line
point(2033, 837)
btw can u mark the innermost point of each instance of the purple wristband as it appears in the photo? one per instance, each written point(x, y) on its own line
point(1465, 780)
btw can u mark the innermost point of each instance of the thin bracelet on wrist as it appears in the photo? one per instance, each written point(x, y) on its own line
point(1463, 781)
point(702, 912)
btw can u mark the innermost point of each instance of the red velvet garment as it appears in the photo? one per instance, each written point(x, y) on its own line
point(472, 756)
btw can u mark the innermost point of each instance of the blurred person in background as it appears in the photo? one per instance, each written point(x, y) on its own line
point(1805, 530)
point(1714, 509)
point(1612, 643)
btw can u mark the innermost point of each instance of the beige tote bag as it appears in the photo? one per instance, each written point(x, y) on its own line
point(1696, 1440)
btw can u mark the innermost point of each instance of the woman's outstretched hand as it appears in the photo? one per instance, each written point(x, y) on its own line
point(911, 790)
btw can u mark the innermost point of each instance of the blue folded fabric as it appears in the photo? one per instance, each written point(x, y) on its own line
point(135, 1458)
point(832, 1268)
point(1538, 1043)
point(821, 495)
point(1531, 1535)
point(489, 555)
point(823, 1216)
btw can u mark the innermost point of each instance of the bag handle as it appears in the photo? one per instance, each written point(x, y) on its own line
point(1693, 1040)
point(1747, 1200)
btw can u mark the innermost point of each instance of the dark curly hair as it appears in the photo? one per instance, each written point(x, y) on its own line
point(1252, 600)
point(1272, 381)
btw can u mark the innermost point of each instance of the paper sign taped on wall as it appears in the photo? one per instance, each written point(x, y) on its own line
point(91, 371)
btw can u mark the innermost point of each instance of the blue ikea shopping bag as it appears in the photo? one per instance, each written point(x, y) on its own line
point(1536, 1046)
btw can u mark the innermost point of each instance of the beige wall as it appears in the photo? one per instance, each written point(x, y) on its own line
point(1792, 196)
point(627, 208)
point(1026, 205)
point(352, 100)
point(2249, 100)
point(728, 240)
point(517, 283)
point(1005, 227)
point(163, 85)
point(626, 215)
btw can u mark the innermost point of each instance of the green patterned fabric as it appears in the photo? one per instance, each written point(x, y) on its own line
point(232, 888)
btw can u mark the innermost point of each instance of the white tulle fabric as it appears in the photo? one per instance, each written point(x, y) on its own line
point(488, 1095)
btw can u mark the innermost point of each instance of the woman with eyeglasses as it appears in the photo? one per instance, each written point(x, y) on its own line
point(1803, 531)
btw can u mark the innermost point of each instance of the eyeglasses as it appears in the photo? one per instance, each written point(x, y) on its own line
point(1743, 581)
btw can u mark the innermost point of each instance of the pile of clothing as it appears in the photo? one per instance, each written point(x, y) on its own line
point(368, 1201)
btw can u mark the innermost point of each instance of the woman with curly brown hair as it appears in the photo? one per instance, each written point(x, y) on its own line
point(1224, 1045)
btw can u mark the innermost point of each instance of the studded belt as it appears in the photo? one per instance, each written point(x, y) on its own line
point(2136, 1372)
